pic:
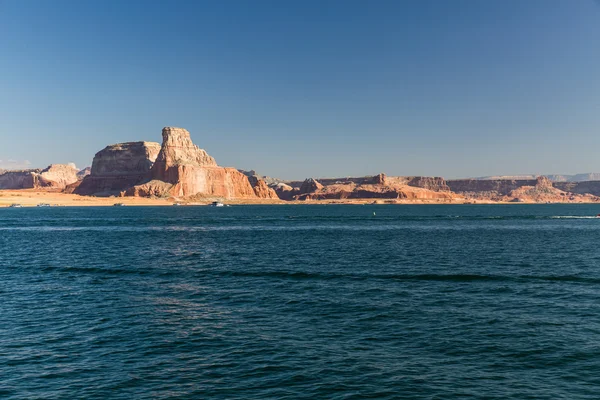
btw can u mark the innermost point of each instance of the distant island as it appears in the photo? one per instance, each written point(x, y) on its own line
point(179, 171)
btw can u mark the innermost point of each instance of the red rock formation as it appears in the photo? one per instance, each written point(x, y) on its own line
point(585, 187)
point(178, 150)
point(310, 186)
point(189, 170)
point(261, 189)
point(55, 176)
point(84, 172)
point(190, 180)
point(436, 184)
point(59, 175)
point(152, 188)
point(539, 190)
point(118, 167)
point(374, 187)
point(284, 191)
point(19, 179)
point(489, 190)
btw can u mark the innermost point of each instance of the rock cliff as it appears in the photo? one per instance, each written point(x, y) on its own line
point(261, 189)
point(589, 187)
point(84, 172)
point(55, 176)
point(118, 167)
point(310, 185)
point(176, 168)
point(544, 191)
point(178, 150)
point(18, 179)
point(492, 190)
point(370, 187)
point(58, 175)
point(436, 184)
point(539, 190)
point(190, 171)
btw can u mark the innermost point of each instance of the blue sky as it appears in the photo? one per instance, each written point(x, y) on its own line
point(295, 89)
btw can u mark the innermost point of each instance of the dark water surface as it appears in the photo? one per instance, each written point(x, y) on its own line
point(300, 302)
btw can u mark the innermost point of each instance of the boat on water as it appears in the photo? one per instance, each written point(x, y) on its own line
point(15, 205)
point(118, 205)
point(217, 204)
point(43, 205)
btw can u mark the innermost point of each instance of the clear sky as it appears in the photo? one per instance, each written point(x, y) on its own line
point(303, 88)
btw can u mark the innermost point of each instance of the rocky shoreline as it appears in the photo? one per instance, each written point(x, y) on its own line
point(178, 171)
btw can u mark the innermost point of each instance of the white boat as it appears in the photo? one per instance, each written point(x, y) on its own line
point(217, 204)
point(118, 205)
point(15, 205)
point(43, 205)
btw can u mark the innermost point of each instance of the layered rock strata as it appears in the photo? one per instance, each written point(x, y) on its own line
point(183, 169)
point(539, 190)
point(176, 168)
point(118, 167)
point(371, 187)
point(55, 176)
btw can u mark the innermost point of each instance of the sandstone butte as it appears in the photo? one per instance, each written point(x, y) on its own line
point(177, 168)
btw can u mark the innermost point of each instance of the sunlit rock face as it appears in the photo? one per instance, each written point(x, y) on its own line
point(177, 167)
point(191, 171)
point(55, 176)
point(118, 167)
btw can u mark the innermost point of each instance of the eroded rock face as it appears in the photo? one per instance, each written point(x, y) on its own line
point(84, 172)
point(539, 190)
point(55, 176)
point(178, 150)
point(494, 190)
point(437, 184)
point(176, 168)
point(152, 188)
point(589, 187)
point(189, 171)
point(310, 185)
point(21, 179)
point(58, 175)
point(285, 191)
point(125, 159)
point(261, 189)
point(118, 167)
point(380, 186)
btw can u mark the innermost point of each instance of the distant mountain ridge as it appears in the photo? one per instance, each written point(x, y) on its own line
point(589, 176)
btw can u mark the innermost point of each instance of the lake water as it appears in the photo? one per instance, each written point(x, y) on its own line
point(300, 302)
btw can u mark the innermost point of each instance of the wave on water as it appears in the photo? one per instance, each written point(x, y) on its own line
point(573, 217)
point(309, 275)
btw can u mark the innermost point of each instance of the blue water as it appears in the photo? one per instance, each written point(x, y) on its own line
point(300, 302)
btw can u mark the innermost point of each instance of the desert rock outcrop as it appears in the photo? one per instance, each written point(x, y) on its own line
point(539, 190)
point(191, 171)
point(176, 168)
point(118, 167)
point(372, 187)
point(310, 185)
point(55, 176)
point(261, 189)
point(59, 175)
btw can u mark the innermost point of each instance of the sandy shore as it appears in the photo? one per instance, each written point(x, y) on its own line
point(33, 197)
